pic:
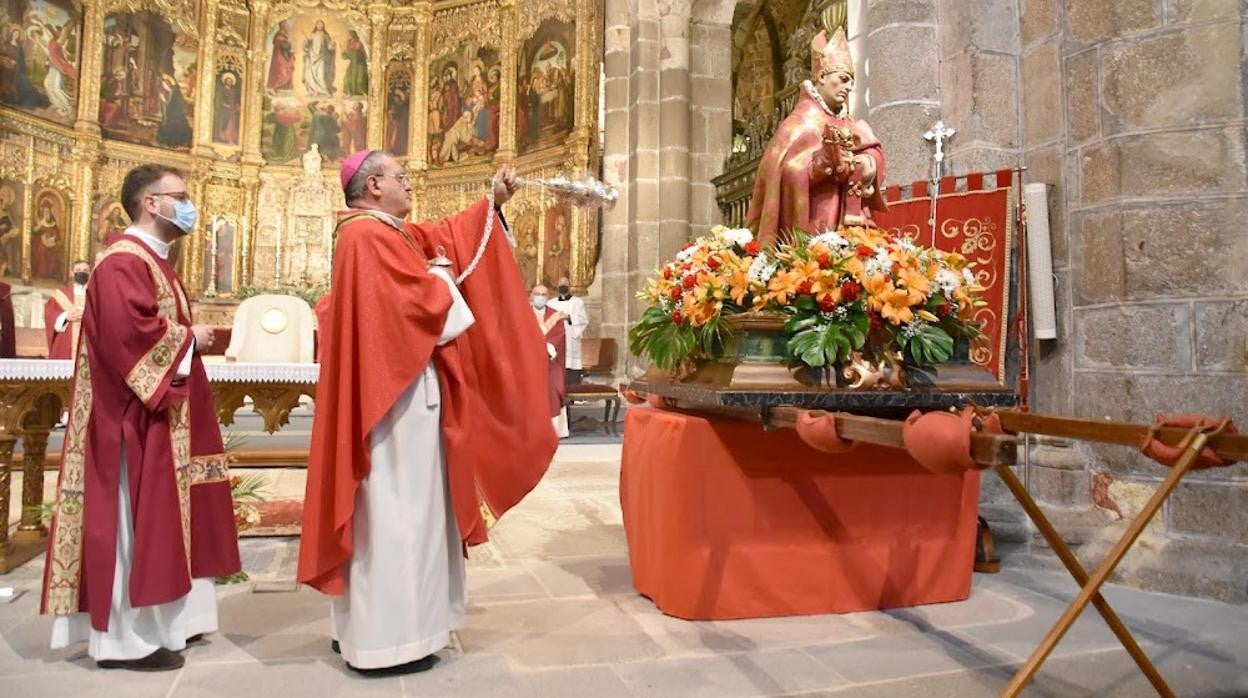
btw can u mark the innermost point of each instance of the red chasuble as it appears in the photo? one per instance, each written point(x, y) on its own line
point(136, 328)
point(60, 344)
point(787, 197)
point(554, 326)
point(384, 317)
point(8, 333)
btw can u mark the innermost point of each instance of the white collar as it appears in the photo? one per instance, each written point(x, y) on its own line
point(394, 221)
point(158, 246)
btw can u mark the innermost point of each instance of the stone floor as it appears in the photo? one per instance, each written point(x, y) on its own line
point(552, 613)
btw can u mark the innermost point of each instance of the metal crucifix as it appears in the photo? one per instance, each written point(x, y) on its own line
point(938, 134)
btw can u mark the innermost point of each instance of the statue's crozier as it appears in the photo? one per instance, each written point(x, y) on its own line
point(823, 168)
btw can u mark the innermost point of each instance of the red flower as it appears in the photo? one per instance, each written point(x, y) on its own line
point(712, 263)
point(675, 293)
point(752, 248)
point(825, 261)
point(827, 305)
point(686, 246)
point(667, 273)
point(850, 291)
point(943, 309)
point(864, 252)
point(689, 281)
point(876, 321)
point(803, 289)
point(678, 318)
point(896, 268)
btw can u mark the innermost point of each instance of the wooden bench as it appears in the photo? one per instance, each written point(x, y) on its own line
point(598, 360)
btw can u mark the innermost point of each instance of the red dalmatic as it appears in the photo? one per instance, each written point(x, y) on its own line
point(136, 328)
point(60, 344)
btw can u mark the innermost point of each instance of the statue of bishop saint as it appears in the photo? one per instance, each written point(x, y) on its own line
point(823, 168)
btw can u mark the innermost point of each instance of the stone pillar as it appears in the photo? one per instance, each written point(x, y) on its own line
point(899, 81)
point(710, 59)
point(979, 80)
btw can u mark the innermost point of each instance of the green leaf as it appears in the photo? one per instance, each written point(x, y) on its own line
point(807, 303)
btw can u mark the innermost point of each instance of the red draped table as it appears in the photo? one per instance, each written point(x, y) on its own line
point(724, 520)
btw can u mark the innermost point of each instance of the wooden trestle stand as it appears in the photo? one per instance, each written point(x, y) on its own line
point(997, 452)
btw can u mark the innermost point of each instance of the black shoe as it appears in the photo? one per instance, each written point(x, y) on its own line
point(197, 637)
point(337, 648)
point(414, 667)
point(160, 660)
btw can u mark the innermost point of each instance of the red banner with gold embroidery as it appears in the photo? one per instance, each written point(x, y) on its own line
point(979, 225)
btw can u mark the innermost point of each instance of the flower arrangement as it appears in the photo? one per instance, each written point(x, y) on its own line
point(843, 292)
point(242, 490)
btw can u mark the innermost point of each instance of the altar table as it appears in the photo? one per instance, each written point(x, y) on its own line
point(34, 393)
point(725, 520)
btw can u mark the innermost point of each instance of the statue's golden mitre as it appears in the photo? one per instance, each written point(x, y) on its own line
point(830, 56)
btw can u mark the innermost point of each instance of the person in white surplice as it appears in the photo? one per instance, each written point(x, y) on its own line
point(406, 434)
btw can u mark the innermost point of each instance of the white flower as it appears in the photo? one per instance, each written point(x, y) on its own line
point(906, 244)
point(737, 236)
point(762, 269)
point(831, 239)
point(881, 263)
point(913, 329)
point(686, 254)
point(967, 277)
point(947, 281)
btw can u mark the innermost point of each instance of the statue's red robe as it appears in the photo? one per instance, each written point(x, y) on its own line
point(380, 329)
point(791, 194)
point(136, 328)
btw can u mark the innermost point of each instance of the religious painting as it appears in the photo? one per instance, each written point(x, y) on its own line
point(546, 86)
point(557, 238)
point(398, 108)
point(219, 256)
point(227, 106)
point(148, 80)
point(315, 89)
point(464, 105)
point(11, 228)
point(49, 236)
point(110, 220)
point(526, 228)
point(39, 52)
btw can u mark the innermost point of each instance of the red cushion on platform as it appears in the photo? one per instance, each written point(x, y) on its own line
point(724, 520)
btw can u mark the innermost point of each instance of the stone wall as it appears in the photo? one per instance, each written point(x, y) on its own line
point(1134, 111)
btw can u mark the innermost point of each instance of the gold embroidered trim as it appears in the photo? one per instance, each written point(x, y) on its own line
point(66, 537)
point(205, 470)
point(549, 323)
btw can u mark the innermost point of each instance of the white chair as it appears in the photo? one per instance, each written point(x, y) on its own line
point(272, 329)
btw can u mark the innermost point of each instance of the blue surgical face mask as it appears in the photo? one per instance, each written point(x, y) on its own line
point(539, 302)
point(184, 215)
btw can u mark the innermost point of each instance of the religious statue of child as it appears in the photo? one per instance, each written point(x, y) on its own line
point(823, 168)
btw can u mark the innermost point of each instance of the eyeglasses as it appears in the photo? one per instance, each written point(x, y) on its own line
point(400, 177)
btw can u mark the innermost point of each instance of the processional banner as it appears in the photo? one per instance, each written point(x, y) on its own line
point(978, 224)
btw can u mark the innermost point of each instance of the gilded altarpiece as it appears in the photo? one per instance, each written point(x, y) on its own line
point(258, 101)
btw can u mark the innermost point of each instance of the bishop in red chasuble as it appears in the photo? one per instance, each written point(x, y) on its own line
point(823, 168)
point(144, 518)
point(431, 415)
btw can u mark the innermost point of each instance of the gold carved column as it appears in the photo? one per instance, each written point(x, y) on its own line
point(417, 131)
point(510, 50)
point(207, 80)
point(379, 19)
point(254, 81)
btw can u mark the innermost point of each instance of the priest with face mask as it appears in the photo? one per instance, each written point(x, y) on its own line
point(553, 325)
point(144, 518)
point(62, 314)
